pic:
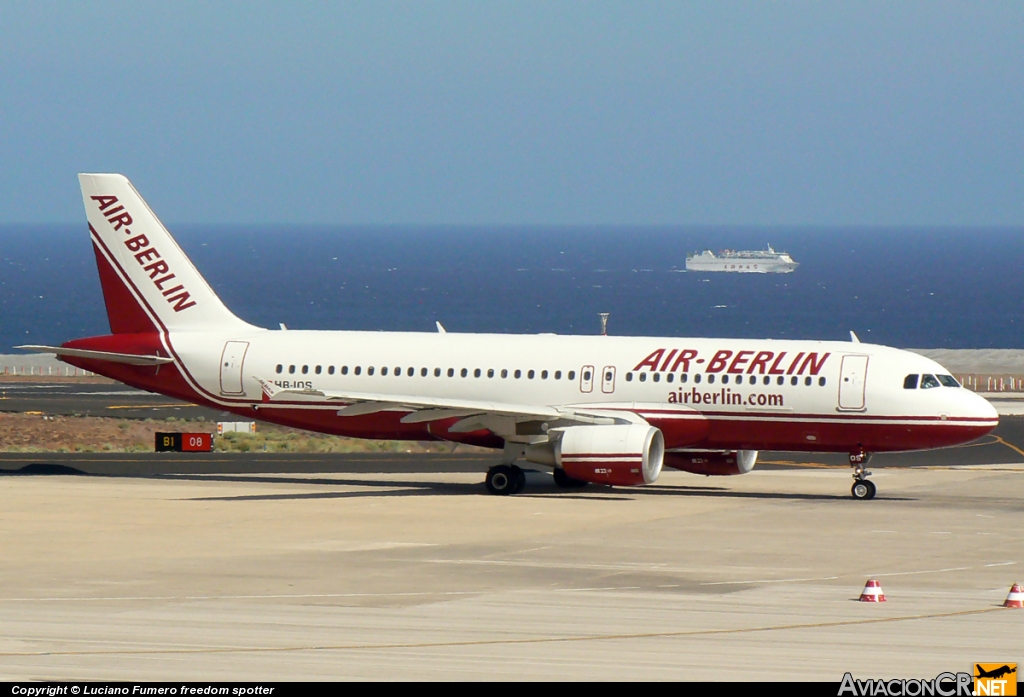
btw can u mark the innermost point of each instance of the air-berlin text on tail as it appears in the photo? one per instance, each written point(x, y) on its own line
point(147, 256)
point(735, 362)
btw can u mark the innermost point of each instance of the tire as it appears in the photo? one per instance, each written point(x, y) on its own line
point(520, 479)
point(502, 480)
point(863, 490)
point(565, 481)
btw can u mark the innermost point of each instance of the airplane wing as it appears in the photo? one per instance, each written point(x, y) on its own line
point(425, 409)
point(110, 356)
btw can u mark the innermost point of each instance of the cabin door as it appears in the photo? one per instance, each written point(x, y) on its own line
point(853, 376)
point(231, 367)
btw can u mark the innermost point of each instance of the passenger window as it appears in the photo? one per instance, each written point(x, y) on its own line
point(490, 372)
point(437, 372)
point(711, 378)
point(369, 371)
point(949, 381)
point(504, 372)
point(317, 370)
point(767, 380)
point(530, 374)
point(543, 375)
point(558, 375)
point(753, 380)
point(398, 372)
point(821, 382)
point(518, 373)
point(643, 377)
point(684, 377)
point(476, 373)
point(572, 375)
point(291, 370)
point(697, 378)
point(344, 370)
point(359, 369)
point(807, 381)
point(330, 370)
point(928, 382)
point(464, 372)
point(280, 368)
point(794, 380)
point(725, 379)
point(586, 375)
point(451, 372)
point(412, 371)
point(657, 377)
point(781, 381)
point(305, 369)
point(670, 377)
point(910, 382)
point(383, 371)
point(629, 377)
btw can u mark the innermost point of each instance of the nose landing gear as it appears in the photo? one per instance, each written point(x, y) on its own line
point(863, 489)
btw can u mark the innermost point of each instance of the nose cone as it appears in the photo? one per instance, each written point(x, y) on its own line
point(981, 412)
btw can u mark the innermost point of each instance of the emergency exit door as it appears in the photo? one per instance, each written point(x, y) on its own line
point(853, 375)
point(608, 379)
point(231, 367)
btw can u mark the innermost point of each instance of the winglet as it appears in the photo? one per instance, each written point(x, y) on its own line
point(269, 388)
point(440, 329)
point(853, 337)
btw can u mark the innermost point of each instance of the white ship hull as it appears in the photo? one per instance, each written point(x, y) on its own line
point(742, 266)
point(743, 262)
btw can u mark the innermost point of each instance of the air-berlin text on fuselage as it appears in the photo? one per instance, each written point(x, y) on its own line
point(147, 256)
point(735, 362)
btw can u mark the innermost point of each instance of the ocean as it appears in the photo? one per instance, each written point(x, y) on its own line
point(905, 287)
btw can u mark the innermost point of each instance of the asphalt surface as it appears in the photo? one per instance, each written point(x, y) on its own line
point(262, 566)
point(426, 577)
point(75, 398)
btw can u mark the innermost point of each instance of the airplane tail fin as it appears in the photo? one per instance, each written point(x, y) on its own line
point(148, 282)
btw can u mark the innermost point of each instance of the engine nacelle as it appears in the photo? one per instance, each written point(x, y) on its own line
point(713, 464)
point(627, 455)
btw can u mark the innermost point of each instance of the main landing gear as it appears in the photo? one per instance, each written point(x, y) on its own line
point(504, 480)
point(863, 488)
point(565, 481)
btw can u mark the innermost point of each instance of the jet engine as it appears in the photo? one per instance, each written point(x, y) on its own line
point(626, 455)
point(712, 464)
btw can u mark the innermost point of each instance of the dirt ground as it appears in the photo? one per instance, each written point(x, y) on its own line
point(88, 434)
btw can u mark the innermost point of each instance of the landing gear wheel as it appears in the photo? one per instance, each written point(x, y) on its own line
point(565, 481)
point(520, 479)
point(503, 480)
point(863, 490)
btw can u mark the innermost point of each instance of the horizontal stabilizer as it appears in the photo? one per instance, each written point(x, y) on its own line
point(109, 356)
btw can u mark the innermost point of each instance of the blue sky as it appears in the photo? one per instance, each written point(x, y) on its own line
point(782, 113)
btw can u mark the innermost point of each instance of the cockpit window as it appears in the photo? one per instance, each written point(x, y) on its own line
point(910, 382)
point(928, 381)
point(948, 381)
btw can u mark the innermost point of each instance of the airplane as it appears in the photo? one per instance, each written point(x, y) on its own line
point(596, 409)
point(995, 673)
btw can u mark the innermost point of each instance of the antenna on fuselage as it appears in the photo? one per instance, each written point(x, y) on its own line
point(604, 322)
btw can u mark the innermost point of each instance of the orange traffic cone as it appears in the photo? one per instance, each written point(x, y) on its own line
point(872, 592)
point(1015, 598)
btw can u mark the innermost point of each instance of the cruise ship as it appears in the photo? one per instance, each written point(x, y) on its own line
point(755, 261)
